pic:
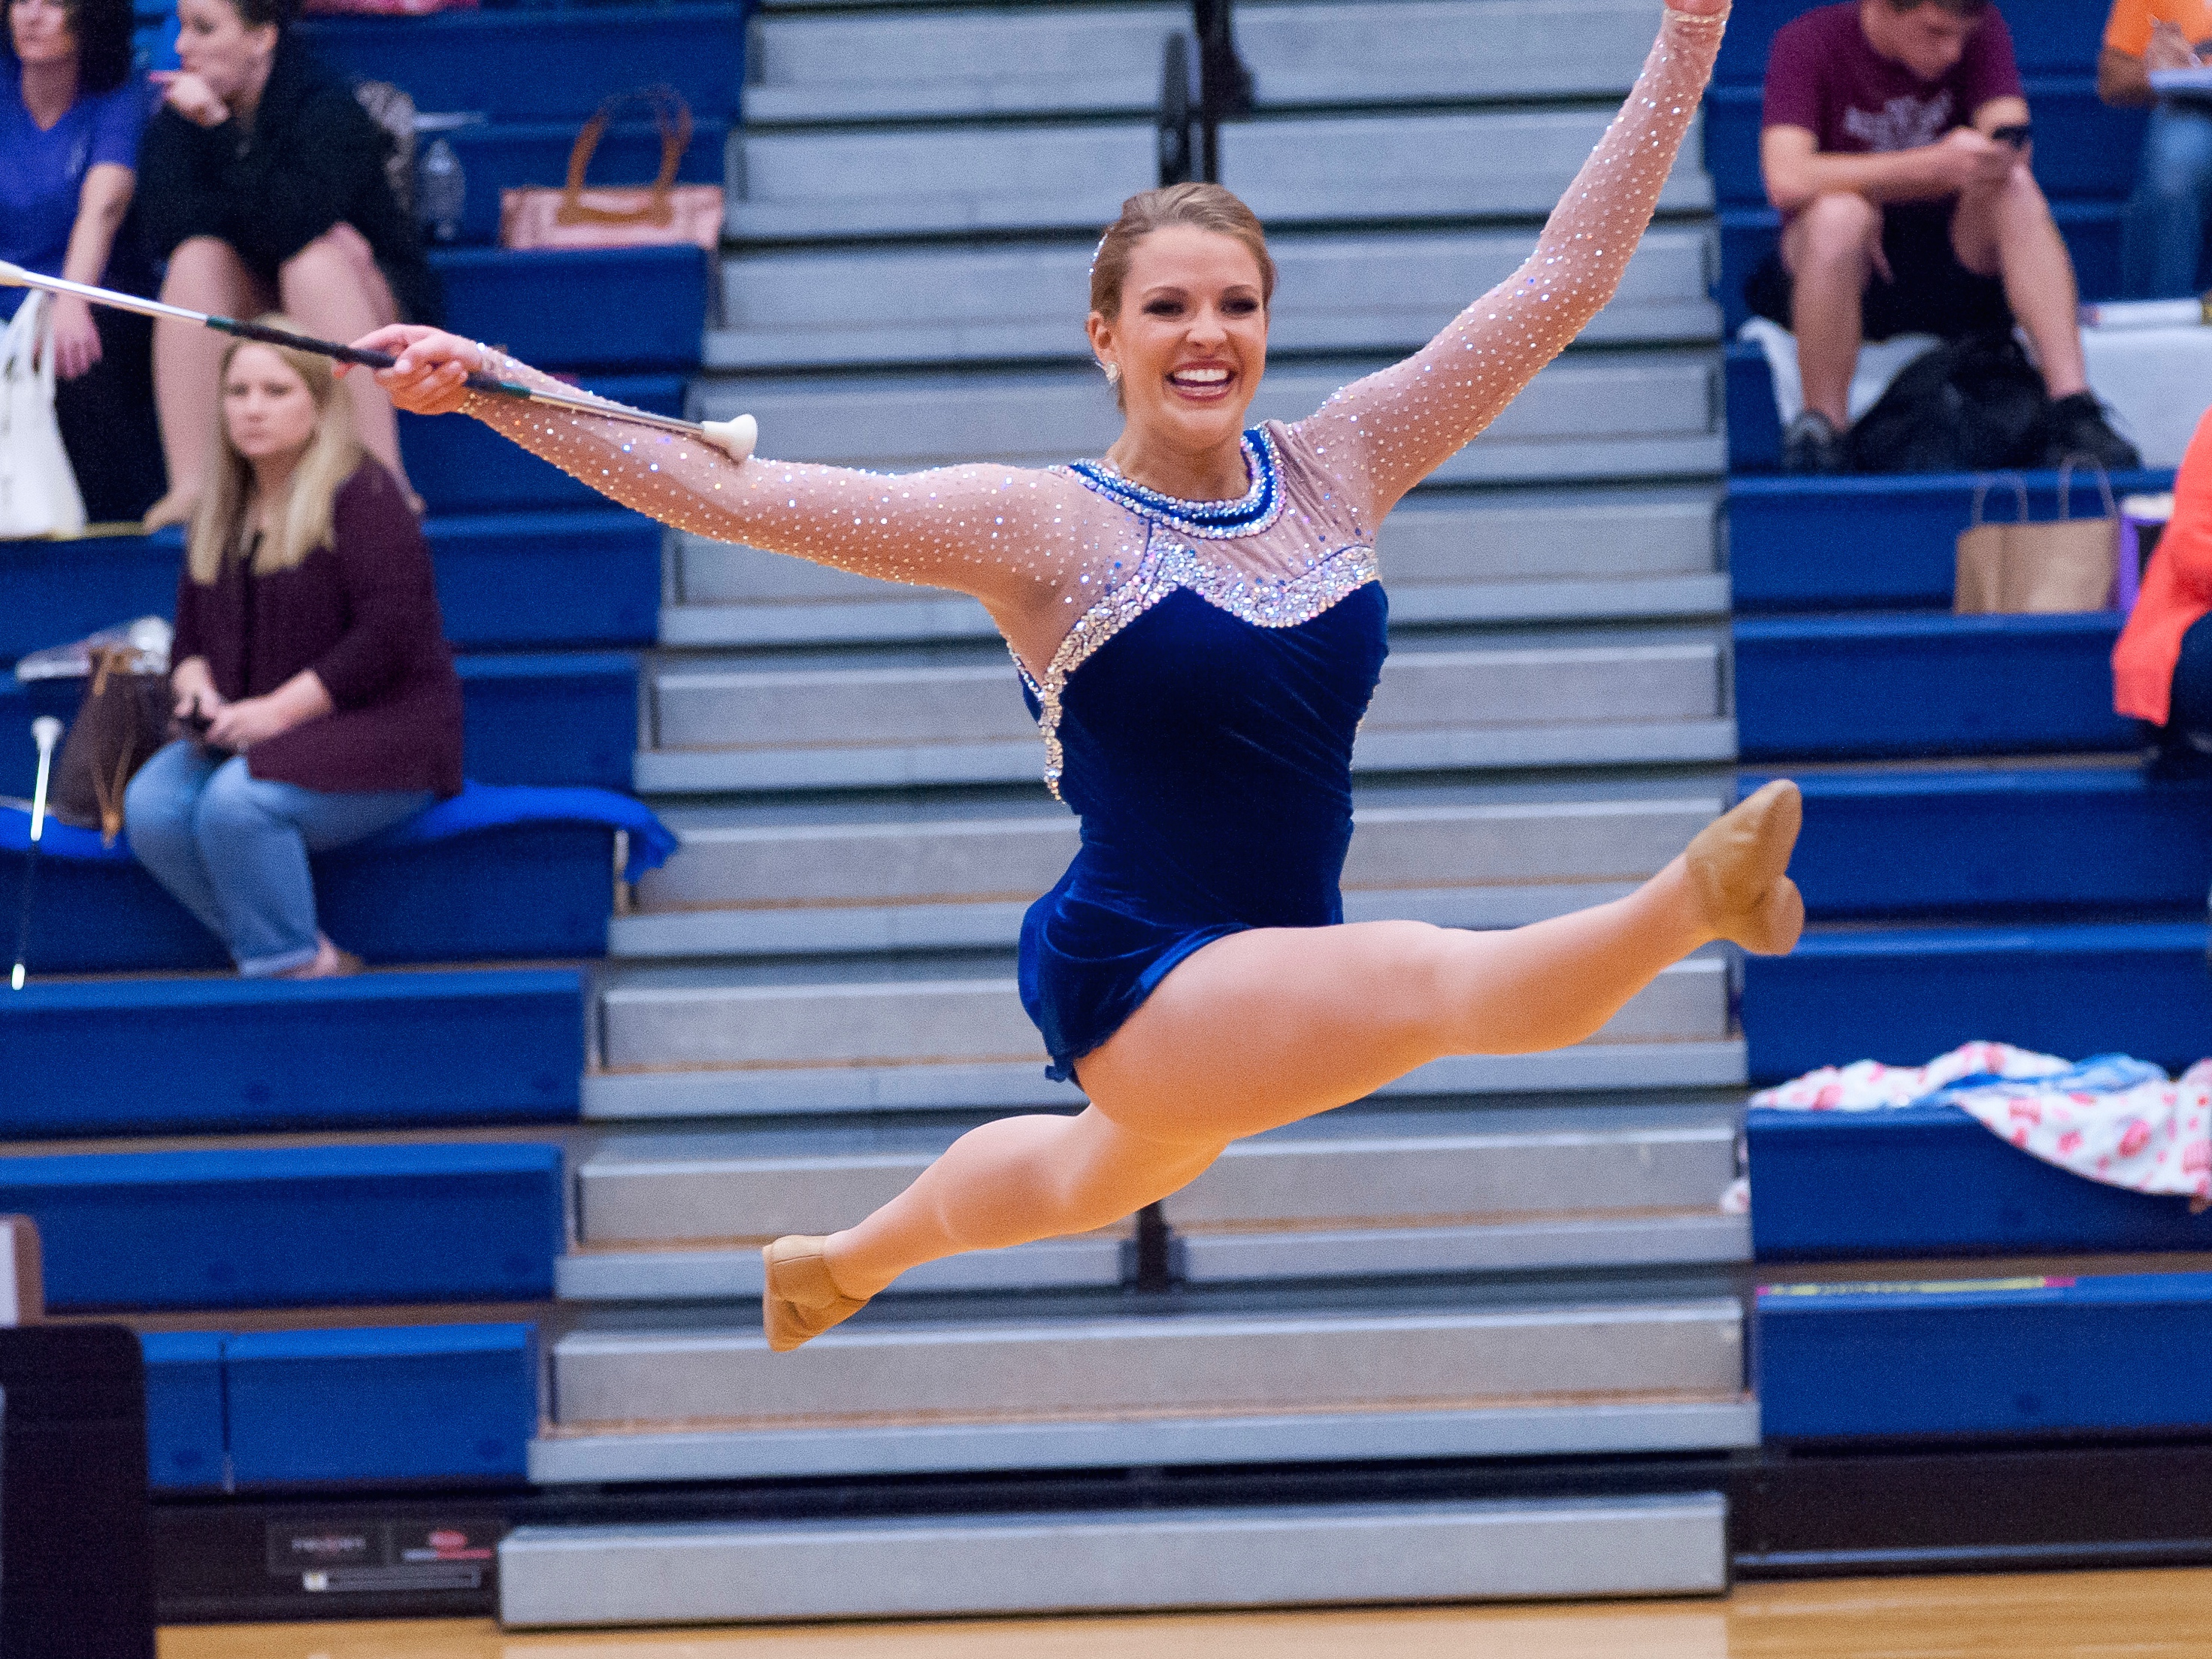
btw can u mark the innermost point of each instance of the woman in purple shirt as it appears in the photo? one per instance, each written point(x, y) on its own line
point(71, 114)
point(310, 662)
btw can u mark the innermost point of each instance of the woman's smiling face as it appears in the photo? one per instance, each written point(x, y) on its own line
point(1191, 340)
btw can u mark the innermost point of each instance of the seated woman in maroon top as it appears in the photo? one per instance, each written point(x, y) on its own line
point(311, 669)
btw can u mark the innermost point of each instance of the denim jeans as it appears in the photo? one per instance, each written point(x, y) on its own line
point(233, 848)
point(2162, 234)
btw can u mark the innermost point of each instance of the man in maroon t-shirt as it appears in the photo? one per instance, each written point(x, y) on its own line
point(1894, 143)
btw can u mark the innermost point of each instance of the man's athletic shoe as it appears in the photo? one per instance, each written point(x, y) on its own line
point(1811, 444)
point(2075, 428)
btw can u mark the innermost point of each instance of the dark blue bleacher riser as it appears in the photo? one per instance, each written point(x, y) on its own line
point(462, 465)
point(1931, 1180)
point(1904, 995)
point(2059, 1356)
point(505, 578)
point(300, 1226)
point(494, 159)
point(2083, 147)
point(1860, 544)
point(2048, 37)
point(172, 1056)
point(438, 1404)
point(2090, 226)
point(538, 64)
point(545, 717)
point(2032, 843)
point(1916, 684)
point(516, 893)
point(631, 309)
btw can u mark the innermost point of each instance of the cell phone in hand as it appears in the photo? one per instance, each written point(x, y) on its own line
point(2016, 135)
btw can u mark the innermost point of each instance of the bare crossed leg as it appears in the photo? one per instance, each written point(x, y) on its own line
point(1265, 1028)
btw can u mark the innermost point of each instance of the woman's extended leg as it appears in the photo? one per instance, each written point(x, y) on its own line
point(205, 274)
point(333, 288)
point(1264, 1028)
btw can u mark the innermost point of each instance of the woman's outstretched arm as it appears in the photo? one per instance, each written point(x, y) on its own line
point(1382, 435)
point(1013, 536)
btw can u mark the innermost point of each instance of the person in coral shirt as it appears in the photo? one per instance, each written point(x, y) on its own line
point(2162, 666)
point(2162, 240)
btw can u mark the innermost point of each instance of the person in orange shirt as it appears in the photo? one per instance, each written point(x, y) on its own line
point(2162, 238)
point(2162, 666)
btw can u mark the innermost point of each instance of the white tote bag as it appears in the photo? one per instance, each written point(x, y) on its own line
point(38, 491)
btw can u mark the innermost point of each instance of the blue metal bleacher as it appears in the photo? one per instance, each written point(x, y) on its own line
point(631, 309)
point(442, 1404)
point(1898, 995)
point(293, 1226)
point(2029, 1357)
point(538, 64)
point(1878, 542)
point(2033, 842)
point(1921, 683)
point(1931, 1180)
point(227, 1056)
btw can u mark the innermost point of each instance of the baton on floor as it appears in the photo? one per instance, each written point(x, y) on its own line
point(46, 732)
point(735, 438)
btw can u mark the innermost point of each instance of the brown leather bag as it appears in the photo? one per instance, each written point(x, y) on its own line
point(124, 718)
point(663, 212)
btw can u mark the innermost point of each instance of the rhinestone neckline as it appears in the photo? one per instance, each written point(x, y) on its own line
point(1258, 507)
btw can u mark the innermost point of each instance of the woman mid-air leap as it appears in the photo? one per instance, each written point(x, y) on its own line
point(1198, 623)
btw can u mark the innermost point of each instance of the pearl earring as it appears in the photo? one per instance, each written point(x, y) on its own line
point(1113, 374)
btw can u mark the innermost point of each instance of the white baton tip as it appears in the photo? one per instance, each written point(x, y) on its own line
point(735, 438)
point(11, 275)
point(46, 732)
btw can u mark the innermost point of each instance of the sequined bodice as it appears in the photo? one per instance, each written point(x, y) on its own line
point(1228, 555)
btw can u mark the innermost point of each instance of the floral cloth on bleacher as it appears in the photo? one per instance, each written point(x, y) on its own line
point(2111, 1118)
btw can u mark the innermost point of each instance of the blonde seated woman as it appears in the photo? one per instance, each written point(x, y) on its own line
point(1199, 625)
point(311, 675)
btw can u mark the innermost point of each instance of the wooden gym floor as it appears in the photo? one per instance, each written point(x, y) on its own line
point(2162, 1614)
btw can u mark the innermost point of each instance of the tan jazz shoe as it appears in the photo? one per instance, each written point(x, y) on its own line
point(1737, 862)
point(800, 1300)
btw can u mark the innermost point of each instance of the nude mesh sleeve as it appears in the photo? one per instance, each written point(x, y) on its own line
point(1382, 435)
point(1005, 534)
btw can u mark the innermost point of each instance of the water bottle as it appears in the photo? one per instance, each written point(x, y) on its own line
point(440, 190)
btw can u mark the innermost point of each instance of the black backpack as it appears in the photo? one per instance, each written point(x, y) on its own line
point(1970, 405)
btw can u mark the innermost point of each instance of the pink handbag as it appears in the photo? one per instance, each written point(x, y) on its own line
point(382, 7)
point(626, 216)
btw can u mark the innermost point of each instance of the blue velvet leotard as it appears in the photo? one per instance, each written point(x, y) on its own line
point(1203, 735)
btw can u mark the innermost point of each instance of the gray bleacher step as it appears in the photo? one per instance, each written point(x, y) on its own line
point(1713, 1061)
point(1369, 291)
point(1060, 60)
point(743, 888)
point(1530, 704)
point(1498, 557)
point(1190, 1363)
point(735, 1275)
point(1155, 1559)
point(1578, 1430)
point(1484, 1162)
point(1606, 417)
point(1375, 1194)
point(798, 184)
point(754, 1024)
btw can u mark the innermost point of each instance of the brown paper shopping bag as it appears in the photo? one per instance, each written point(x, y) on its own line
point(2067, 564)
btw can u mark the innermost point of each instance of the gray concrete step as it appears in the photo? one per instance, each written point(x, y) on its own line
point(874, 1372)
point(1544, 1430)
point(1370, 291)
point(1499, 557)
point(739, 1041)
point(1531, 705)
point(739, 887)
point(1080, 61)
point(1155, 1560)
point(681, 1217)
point(794, 185)
point(1592, 416)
